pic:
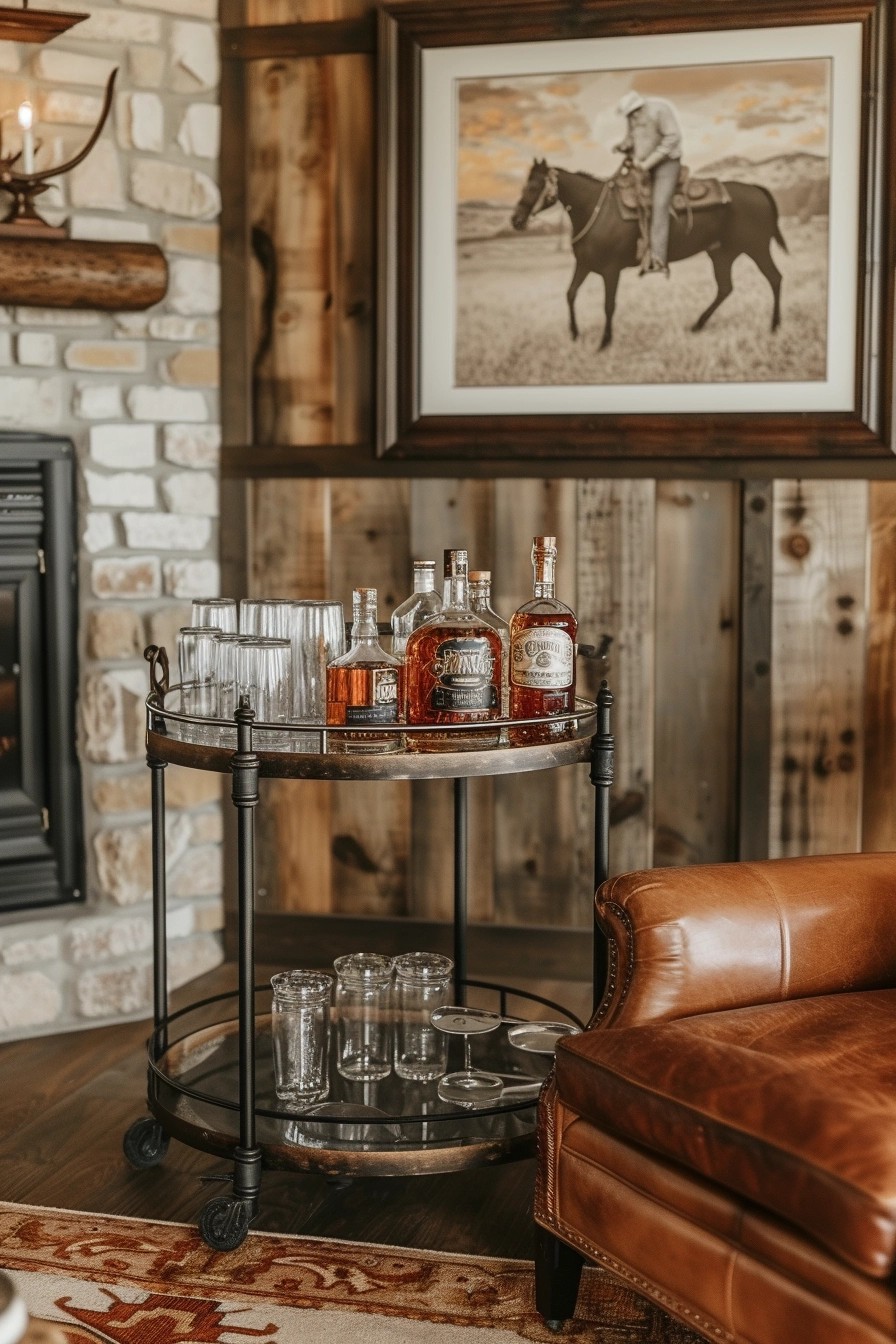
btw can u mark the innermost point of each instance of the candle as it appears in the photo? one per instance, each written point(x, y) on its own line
point(26, 121)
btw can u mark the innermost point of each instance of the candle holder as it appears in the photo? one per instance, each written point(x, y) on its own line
point(22, 219)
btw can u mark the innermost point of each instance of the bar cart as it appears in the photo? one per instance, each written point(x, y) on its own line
point(209, 1077)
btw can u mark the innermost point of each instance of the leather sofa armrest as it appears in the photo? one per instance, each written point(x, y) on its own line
point(695, 940)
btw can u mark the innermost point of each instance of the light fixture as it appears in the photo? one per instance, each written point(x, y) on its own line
point(35, 25)
point(39, 264)
point(24, 185)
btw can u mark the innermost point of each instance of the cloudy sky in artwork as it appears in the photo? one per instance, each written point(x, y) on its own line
point(754, 110)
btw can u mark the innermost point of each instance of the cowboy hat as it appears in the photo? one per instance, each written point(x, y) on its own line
point(629, 102)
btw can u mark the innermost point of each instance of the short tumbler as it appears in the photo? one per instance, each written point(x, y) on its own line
point(300, 1027)
point(363, 1016)
point(422, 983)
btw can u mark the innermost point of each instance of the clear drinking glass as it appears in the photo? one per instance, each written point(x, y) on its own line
point(422, 984)
point(267, 616)
point(363, 1015)
point(300, 1028)
point(227, 684)
point(197, 661)
point(217, 611)
point(262, 674)
point(317, 636)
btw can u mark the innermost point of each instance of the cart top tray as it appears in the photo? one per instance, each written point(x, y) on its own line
point(209, 744)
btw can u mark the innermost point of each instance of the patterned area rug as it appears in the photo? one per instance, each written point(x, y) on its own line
point(106, 1280)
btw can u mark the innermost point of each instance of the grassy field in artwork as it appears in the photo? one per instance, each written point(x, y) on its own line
point(512, 327)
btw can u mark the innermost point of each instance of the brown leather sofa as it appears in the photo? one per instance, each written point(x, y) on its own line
point(723, 1136)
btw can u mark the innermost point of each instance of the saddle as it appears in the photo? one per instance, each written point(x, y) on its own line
point(633, 193)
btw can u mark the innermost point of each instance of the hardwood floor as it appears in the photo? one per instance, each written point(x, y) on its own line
point(66, 1101)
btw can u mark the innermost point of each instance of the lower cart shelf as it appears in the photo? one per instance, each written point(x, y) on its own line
point(392, 1127)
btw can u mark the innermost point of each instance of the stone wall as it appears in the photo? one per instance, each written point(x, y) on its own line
point(137, 393)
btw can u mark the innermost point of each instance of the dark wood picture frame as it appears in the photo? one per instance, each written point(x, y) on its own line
point(407, 28)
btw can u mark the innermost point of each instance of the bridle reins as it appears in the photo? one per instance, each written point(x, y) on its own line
point(577, 237)
point(550, 194)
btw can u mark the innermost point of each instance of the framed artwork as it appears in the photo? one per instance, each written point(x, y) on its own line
point(635, 231)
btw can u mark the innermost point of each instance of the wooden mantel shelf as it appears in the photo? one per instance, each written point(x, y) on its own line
point(72, 273)
point(35, 25)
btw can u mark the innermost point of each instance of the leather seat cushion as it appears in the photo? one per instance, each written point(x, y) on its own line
point(792, 1105)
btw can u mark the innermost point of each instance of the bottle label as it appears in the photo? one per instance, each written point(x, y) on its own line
point(384, 696)
point(542, 658)
point(463, 670)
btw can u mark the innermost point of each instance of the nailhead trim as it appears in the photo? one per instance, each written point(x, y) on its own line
point(646, 1288)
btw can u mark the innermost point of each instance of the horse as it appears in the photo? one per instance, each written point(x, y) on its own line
point(604, 242)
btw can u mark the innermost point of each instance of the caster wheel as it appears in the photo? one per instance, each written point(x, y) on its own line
point(223, 1223)
point(145, 1143)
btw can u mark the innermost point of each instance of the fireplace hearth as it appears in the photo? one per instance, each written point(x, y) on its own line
point(41, 847)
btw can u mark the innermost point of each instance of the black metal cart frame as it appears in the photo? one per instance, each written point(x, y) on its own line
point(224, 1220)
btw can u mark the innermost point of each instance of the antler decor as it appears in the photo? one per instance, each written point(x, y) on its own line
point(23, 187)
point(35, 25)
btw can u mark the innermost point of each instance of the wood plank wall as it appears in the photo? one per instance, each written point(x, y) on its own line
point(659, 567)
point(753, 660)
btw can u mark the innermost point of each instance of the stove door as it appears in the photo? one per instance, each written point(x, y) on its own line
point(24, 817)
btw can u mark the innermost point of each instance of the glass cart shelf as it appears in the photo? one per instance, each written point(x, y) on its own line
point(393, 1127)
point(210, 1075)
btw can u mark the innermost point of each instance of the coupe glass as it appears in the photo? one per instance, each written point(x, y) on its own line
point(469, 1086)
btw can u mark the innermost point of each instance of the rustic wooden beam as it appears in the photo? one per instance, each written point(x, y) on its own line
point(338, 37)
point(242, 461)
point(70, 273)
point(35, 25)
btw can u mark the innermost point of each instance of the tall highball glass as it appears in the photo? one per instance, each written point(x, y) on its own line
point(317, 636)
point(265, 616)
point(217, 611)
point(197, 662)
point(262, 674)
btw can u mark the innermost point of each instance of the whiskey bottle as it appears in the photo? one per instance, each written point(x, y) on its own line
point(542, 654)
point(453, 669)
point(364, 686)
point(480, 602)
point(423, 602)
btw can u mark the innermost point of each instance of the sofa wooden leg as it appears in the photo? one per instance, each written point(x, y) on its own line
point(558, 1269)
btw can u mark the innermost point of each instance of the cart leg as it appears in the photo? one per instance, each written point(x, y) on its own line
point(460, 890)
point(159, 913)
point(602, 778)
point(145, 1142)
point(225, 1220)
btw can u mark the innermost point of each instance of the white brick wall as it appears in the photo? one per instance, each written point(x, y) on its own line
point(137, 393)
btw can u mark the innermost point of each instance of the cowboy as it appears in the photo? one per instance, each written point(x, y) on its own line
point(653, 140)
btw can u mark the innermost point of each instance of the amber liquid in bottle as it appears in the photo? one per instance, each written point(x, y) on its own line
point(453, 669)
point(365, 685)
point(542, 674)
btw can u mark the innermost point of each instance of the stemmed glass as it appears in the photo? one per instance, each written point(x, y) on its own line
point(469, 1086)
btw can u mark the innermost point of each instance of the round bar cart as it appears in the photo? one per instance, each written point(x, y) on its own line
point(209, 1075)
